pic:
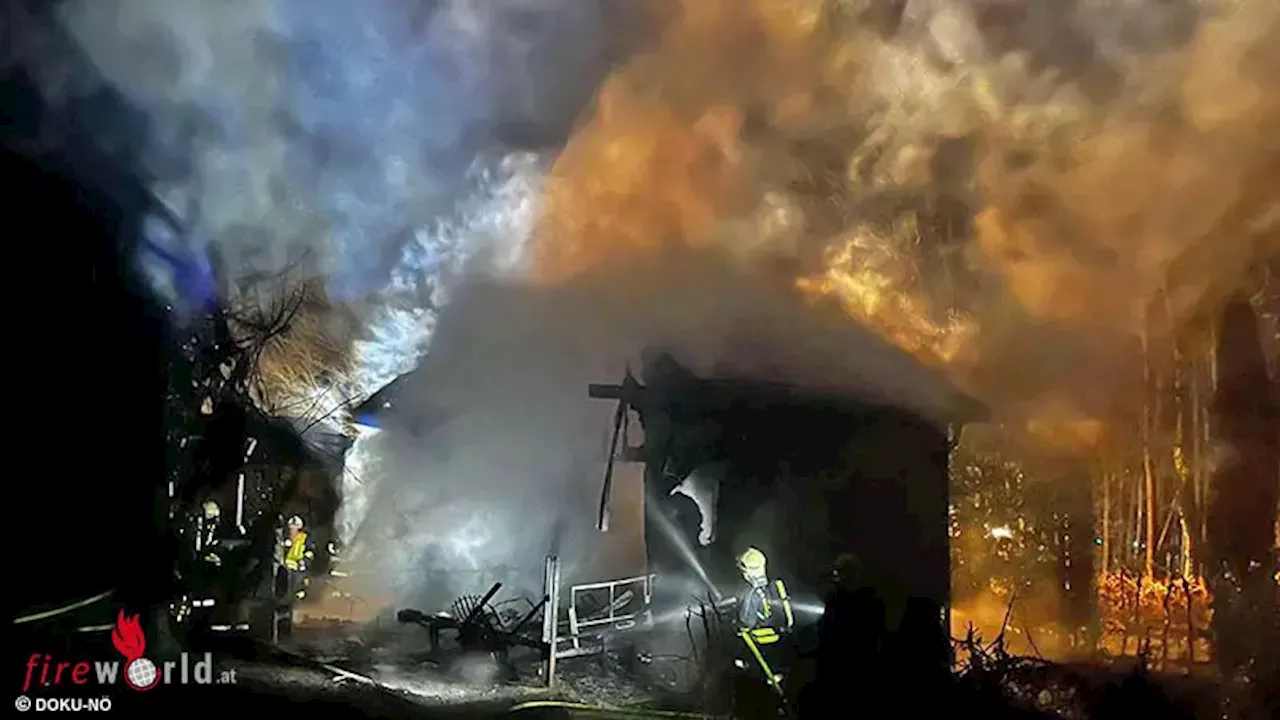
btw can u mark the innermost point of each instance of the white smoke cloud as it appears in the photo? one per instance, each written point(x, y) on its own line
point(336, 134)
point(489, 230)
point(386, 146)
point(512, 468)
point(492, 228)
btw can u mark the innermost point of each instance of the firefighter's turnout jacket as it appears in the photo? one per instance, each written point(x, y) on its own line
point(765, 612)
point(299, 554)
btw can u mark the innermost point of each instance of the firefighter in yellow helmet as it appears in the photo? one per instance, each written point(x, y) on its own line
point(764, 613)
point(297, 557)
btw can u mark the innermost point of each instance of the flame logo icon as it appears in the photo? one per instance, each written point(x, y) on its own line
point(139, 672)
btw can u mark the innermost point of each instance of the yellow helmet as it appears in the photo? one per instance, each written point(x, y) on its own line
point(211, 510)
point(752, 565)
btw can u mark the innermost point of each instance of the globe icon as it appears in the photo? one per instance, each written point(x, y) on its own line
point(141, 673)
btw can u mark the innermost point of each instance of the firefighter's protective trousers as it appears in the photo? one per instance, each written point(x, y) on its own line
point(764, 616)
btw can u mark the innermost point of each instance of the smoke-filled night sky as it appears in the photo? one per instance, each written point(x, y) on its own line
point(380, 146)
point(393, 148)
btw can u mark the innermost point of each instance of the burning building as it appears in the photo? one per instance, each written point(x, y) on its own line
point(762, 420)
point(807, 475)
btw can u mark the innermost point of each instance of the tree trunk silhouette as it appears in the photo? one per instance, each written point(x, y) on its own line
point(1246, 484)
point(1149, 419)
point(1077, 554)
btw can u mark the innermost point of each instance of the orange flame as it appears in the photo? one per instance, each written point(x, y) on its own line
point(662, 159)
point(768, 128)
point(128, 637)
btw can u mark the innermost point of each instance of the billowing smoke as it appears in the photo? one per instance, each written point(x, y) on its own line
point(1011, 190)
point(349, 141)
point(398, 333)
point(511, 467)
point(1023, 194)
point(377, 146)
point(330, 133)
point(1003, 188)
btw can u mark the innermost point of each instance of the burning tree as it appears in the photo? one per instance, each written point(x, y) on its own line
point(1189, 503)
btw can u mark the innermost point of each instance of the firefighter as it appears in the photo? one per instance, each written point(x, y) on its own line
point(204, 576)
point(333, 556)
point(764, 615)
point(208, 533)
point(297, 557)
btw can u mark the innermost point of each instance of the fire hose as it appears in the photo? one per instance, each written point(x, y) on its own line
point(605, 711)
point(64, 609)
point(769, 675)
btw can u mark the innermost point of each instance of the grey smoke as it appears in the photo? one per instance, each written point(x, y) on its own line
point(339, 134)
point(516, 469)
point(361, 142)
point(326, 133)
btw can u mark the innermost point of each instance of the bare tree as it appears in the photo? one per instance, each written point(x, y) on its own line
point(294, 349)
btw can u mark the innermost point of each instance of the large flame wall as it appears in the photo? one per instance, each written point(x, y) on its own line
point(1095, 180)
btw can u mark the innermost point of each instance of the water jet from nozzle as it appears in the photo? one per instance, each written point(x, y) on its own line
point(814, 609)
point(681, 543)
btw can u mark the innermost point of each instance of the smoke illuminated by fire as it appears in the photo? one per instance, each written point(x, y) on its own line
point(1006, 195)
point(1003, 189)
point(806, 131)
point(865, 274)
